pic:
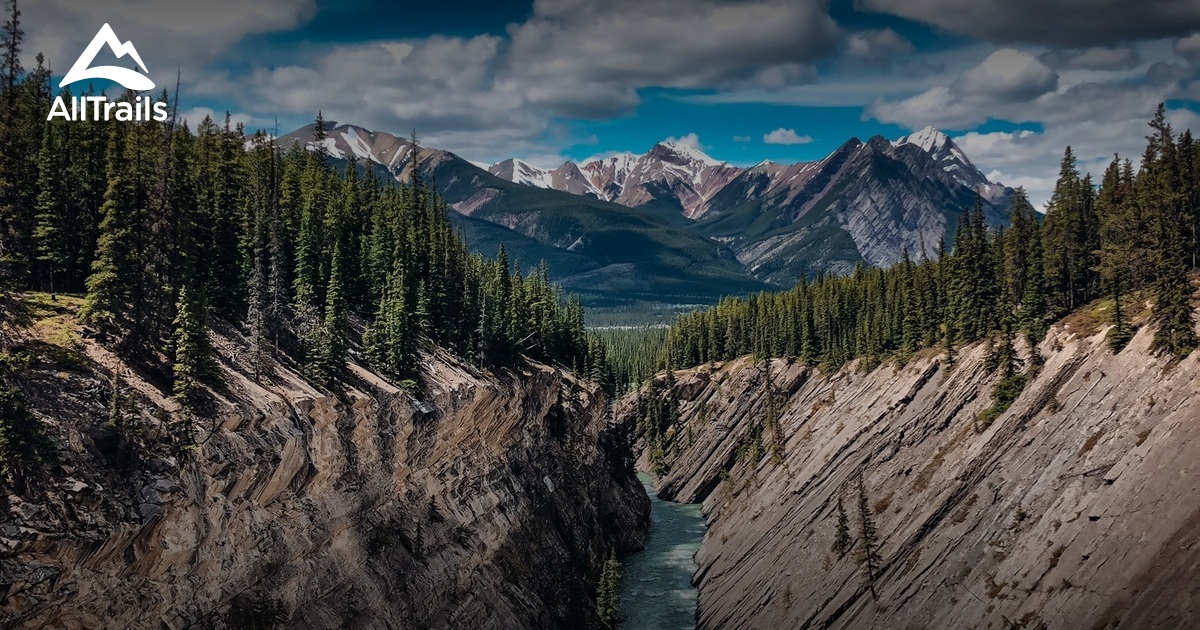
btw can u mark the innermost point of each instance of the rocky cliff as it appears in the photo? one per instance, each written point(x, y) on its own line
point(482, 502)
point(1078, 507)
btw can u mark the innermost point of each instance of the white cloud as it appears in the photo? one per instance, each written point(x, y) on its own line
point(169, 34)
point(1005, 79)
point(1006, 75)
point(855, 84)
point(786, 136)
point(1096, 111)
point(596, 54)
point(195, 115)
point(1030, 159)
point(741, 139)
point(690, 140)
point(1189, 47)
point(442, 86)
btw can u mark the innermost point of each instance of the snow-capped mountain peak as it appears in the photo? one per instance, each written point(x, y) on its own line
point(522, 172)
point(687, 152)
point(929, 139)
point(947, 155)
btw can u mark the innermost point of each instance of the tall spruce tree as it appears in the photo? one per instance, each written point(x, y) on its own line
point(866, 551)
point(608, 596)
point(1162, 198)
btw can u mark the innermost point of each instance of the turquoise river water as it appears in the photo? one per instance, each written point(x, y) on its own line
point(656, 583)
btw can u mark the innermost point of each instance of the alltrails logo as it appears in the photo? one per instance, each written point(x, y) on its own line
point(142, 108)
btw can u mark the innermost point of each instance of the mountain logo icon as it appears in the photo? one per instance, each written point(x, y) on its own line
point(126, 77)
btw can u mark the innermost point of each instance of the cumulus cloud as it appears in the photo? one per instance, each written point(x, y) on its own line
point(442, 86)
point(1005, 78)
point(1094, 58)
point(1030, 159)
point(690, 140)
point(1189, 48)
point(741, 139)
point(1098, 106)
point(877, 45)
point(590, 50)
point(1064, 23)
point(169, 34)
point(786, 136)
point(1006, 75)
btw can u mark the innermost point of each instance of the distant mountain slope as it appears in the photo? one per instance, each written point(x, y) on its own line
point(604, 250)
point(868, 201)
point(865, 201)
point(676, 225)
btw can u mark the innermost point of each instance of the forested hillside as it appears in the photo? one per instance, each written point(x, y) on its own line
point(166, 229)
point(1133, 233)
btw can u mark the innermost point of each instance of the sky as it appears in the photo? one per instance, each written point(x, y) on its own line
point(1012, 81)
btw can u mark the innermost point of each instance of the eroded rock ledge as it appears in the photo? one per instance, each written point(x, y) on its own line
point(480, 505)
point(1077, 508)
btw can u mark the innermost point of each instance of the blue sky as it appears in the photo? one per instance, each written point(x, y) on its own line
point(1013, 81)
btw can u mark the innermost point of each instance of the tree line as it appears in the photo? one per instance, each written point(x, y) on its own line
point(168, 230)
point(1134, 231)
point(285, 244)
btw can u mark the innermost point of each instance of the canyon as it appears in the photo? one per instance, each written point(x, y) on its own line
point(484, 500)
point(1077, 507)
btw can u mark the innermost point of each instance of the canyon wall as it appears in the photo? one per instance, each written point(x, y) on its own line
point(486, 501)
point(1078, 507)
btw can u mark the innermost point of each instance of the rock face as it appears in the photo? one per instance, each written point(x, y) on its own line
point(867, 201)
point(482, 504)
point(1079, 507)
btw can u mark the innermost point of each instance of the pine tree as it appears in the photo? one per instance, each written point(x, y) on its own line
point(1172, 290)
point(866, 553)
point(59, 222)
point(608, 597)
point(264, 316)
point(327, 353)
point(194, 356)
point(13, 259)
point(119, 284)
point(842, 543)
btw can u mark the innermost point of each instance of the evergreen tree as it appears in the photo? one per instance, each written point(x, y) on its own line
point(61, 233)
point(194, 356)
point(866, 553)
point(121, 284)
point(608, 597)
point(327, 353)
point(13, 258)
point(842, 543)
point(1172, 289)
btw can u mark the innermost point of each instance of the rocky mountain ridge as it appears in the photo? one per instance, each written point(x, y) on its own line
point(1075, 508)
point(702, 227)
point(885, 196)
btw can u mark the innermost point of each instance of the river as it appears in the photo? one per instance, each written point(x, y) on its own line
point(656, 583)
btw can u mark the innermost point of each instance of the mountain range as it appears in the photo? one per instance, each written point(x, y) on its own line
point(675, 225)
